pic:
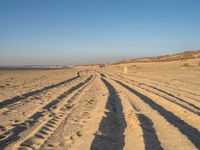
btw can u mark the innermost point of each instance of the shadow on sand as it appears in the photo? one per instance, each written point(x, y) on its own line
point(192, 133)
point(110, 133)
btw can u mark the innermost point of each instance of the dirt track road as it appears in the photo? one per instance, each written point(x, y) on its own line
point(100, 109)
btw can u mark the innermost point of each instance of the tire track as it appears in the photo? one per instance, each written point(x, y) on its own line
point(189, 117)
point(15, 99)
point(174, 99)
point(69, 129)
point(149, 134)
point(151, 140)
point(111, 129)
point(50, 127)
point(192, 133)
point(140, 123)
point(24, 111)
point(164, 85)
point(182, 100)
point(175, 102)
point(193, 102)
point(168, 85)
point(165, 131)
point(35, 119)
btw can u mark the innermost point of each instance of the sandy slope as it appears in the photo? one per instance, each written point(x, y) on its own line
point(154, 106)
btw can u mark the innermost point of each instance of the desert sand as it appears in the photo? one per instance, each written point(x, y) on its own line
point(154, 106)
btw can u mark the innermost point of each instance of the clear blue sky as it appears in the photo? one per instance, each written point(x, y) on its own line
point(94, 31)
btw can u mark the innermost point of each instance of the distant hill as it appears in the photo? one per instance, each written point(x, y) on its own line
point(165, 58)
point(32, 67)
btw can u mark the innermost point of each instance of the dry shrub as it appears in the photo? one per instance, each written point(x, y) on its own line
point(186, 65)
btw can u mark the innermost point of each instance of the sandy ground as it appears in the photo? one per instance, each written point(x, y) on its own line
point(154, 106)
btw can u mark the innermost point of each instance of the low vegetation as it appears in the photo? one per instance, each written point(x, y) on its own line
point(186, 65)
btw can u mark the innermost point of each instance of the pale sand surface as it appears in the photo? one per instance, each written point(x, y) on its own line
point(153, 106)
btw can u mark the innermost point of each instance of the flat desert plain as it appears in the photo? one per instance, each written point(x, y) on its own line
point(154, 106)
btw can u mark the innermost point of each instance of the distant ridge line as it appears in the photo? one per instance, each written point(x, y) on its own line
point(164, 58)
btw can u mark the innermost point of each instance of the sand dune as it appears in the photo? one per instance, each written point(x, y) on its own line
point(155, 105)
